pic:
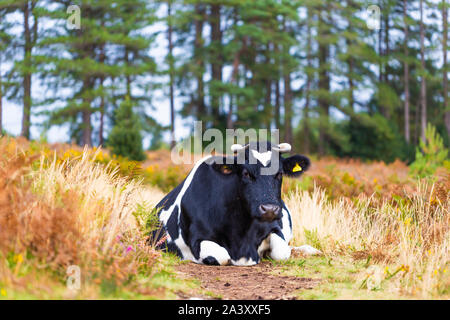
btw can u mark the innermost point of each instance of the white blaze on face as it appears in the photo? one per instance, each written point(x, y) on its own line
point(264, 157)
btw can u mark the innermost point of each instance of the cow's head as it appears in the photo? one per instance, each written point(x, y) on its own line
point(257, 171)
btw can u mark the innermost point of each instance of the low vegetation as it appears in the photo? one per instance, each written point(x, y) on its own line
point(384, 231)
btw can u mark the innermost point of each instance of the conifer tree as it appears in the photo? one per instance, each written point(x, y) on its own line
point(125, 138)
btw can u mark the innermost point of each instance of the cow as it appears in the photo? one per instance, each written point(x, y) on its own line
point(226, 211)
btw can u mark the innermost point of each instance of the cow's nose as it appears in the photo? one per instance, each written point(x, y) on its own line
point(269, 212)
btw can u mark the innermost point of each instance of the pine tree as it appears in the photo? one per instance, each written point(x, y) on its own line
point(406, 72)
point(444, 9)
point(170, 59)
point(22, 46)
point(423, 90)
point(125, 138)
point(105, 61)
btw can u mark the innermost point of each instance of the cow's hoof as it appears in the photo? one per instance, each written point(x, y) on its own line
point(210, 249)
point(210, 261)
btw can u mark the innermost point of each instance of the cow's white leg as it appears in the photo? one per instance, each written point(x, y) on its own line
point(279, 248)
point(212, 249)
point(264, 246)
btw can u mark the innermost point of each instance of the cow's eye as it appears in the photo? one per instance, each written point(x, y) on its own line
point(279, 175)
point(226, 170)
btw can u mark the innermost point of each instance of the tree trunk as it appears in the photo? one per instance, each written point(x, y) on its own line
point(324, 86)
point(234, 79)
point(87, 130)
point(268, 96)
point(234, 76)
point(351, 85)
point(277, 91)
point(27, 74)
point(386, 44)
point(198, 45)
point(102, 117)
point(350, 62)
point(86, 116)
point(127, 76)
point(445, 53)
point(306, 130)
point(380, 47)
point(288, 136)
point(423, 98)
point(216, 67)
point(102, 98)
point(1, 98)
point(406, 72)
point(171, 76)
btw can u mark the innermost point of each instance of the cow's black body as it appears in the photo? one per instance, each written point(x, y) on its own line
point(222, 209)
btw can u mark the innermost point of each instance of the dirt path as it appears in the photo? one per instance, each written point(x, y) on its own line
point(246, 283)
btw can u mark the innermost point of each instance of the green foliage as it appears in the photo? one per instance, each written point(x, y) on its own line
point(235, 64)
point(146, 217)
point(430, 154)
point(165, 179)
point(372, 137)
point(125, 138)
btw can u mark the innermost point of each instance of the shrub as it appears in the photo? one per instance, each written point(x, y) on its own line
point(430, 154)
point(372, 137)
point(74, 211)
point(125, 137)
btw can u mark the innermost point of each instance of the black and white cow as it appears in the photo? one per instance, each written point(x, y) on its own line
point(227, 212)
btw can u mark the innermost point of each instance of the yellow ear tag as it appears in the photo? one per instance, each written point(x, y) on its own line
point(297, 168)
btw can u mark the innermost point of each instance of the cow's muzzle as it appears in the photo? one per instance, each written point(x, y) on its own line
point(269, 212)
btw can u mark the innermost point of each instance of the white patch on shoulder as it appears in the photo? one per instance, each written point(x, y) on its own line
point(165, 214)
point(210, 248)
point(279, 249)
point(264, 157)
point(243, 262)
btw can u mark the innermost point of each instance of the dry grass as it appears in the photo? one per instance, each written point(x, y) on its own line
point(409, 239)
point(68, 208)
point(74, 212)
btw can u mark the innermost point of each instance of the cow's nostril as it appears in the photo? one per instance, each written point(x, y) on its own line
point(269, 208)
point(269, 211)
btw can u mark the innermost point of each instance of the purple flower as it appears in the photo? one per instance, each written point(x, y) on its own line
point(129, 248)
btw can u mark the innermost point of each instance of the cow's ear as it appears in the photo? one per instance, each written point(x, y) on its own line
point(294, 166)
point(224, 165)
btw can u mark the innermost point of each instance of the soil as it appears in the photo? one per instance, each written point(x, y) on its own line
point(245, 283)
